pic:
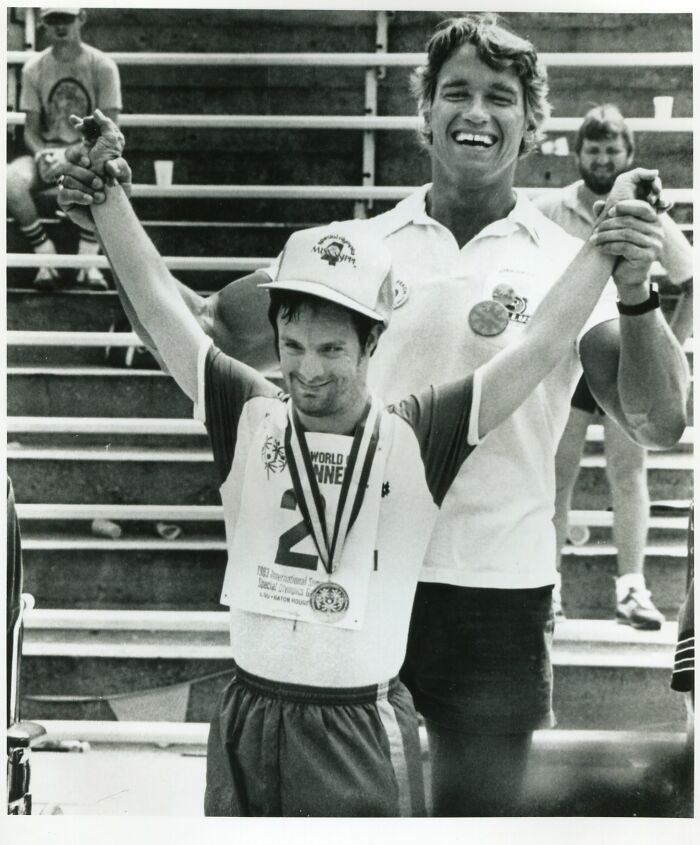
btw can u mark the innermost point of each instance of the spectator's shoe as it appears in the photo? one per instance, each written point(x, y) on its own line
point(557, 609)
point(637, 610)
point(91, 278)
point(47, 279)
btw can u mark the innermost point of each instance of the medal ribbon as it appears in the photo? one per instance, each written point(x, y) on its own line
point(306, 488)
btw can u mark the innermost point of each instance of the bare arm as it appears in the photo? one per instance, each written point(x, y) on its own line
point(681, 322)
point(510, 377)
point(635, 366)
point(32, 136)
point(677, 259)
point(150, 287)
point(235, 317)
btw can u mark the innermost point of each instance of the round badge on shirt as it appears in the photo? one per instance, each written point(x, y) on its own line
point(488, 318)
point(400, 293)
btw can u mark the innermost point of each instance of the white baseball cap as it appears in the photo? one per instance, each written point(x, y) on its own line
point(53, 10)
point(339, 263)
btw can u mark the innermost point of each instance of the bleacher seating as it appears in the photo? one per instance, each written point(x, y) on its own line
point(292, 139)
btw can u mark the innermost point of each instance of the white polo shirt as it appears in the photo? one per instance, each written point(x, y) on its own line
point(495, 525)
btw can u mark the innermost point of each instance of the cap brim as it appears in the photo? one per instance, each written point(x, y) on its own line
point(323, 292)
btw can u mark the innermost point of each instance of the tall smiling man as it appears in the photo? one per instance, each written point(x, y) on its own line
point(473, 259)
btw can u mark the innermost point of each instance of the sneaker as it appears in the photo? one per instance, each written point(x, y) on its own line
point(637, 610)
point(91, 278)
point(47, 279)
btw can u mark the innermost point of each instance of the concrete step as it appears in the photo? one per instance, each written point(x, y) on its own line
point(607, 676)
point(47, 390)
point(588, 573)
point(141, 570)
point(94, 474)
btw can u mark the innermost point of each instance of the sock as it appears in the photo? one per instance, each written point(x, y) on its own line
point(87, 245)
point(36, 235)
point(631, 581)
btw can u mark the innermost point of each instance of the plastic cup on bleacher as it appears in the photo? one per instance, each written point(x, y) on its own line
point(663, 107)
point(164, 172)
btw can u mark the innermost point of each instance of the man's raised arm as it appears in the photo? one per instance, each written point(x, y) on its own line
point(635, 366)
point(147, 281)
point(634, 231)
point(235, 317)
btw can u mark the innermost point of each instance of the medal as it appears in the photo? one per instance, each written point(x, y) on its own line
point(488, 318)
point(329, 602)
point(330, 599)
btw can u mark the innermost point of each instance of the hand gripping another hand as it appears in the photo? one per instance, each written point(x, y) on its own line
point(89, 164)
point(629, 229)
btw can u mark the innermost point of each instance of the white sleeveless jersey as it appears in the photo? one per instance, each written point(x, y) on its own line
point(424, 441)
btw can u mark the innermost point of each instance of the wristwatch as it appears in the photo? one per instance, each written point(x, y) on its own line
point(640, 307)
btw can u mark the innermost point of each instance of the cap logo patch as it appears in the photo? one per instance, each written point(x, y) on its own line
point(335, 249)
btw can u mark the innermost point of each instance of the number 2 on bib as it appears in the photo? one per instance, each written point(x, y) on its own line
point(291, 537)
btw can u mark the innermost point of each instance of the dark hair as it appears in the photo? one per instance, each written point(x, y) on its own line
point(287, 303)
point(497, 47)
point(601, 123)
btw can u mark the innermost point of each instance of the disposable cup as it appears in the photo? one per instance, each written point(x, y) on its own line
point(663, 107)
point(164, 172)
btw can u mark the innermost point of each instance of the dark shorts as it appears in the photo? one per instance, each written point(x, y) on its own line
point(478, 660)
point(583, 399)
point(286, 750)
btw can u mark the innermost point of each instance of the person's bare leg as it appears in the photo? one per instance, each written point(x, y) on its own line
point(626, 469)
point(22, 182)
point(476, 774)
point(566, 469)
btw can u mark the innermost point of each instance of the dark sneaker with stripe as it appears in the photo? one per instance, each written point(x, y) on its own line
point(638, 610)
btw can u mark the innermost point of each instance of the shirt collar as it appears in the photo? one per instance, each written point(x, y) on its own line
point(523, 215)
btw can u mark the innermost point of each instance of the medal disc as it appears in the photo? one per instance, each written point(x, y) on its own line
point(329, 602)
point(488, 318)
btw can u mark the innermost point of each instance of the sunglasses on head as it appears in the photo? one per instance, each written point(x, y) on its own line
point(59, 19)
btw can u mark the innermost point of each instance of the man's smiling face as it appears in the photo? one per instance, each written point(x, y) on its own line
point(477, 120)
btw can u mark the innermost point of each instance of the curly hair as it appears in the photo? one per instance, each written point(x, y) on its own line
point(497, 47)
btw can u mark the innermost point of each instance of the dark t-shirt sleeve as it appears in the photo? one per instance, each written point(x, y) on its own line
point(440, 417)
point(228, 385)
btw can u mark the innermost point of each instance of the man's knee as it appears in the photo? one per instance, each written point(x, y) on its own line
point(21, 177)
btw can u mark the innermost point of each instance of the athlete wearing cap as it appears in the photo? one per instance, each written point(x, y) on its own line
point(330, 498)
point(461, 246)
